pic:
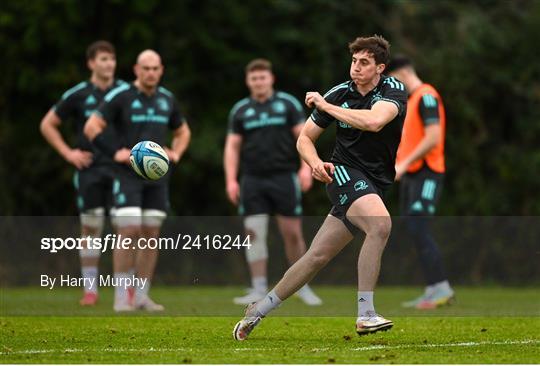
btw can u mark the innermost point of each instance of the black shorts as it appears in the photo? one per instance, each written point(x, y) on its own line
point(277, 193)
point(347, 186)
point(419, 192)
point(130, 190)
point(94, 187)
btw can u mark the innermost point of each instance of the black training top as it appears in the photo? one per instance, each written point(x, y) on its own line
point(137, 117)
point(372, 152)
point(268, 145)
point(77, 104)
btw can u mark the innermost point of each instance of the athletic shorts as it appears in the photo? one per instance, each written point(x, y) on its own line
point(419, 192)
point(93, 186)
point(130, 190)
point(277, 193)
point(347, 186)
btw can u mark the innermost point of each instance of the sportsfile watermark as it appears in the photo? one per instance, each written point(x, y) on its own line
point(118, 241)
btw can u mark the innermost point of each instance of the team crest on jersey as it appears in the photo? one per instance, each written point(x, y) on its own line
point(250, 112)
point(162, 104)
point(278, 106)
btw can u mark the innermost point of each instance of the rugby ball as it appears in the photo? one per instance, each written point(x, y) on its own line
point(149, 160)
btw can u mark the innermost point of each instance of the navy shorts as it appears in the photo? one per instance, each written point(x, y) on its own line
point(420, 192)
point(94, 187)
point(347, 186)
point(131, 190)
point(277, 193)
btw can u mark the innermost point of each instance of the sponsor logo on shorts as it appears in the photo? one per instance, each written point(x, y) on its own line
point(360, 185)
point(343, 198)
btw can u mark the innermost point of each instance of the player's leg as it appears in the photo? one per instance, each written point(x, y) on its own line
point(147, 259)
point(370, 215)
point(128, 217)
point(425, 189)
point(331, 238)
point(155, 207)
point(286, 197)
point(91, 213)
point(92, 221)
point(255, 209)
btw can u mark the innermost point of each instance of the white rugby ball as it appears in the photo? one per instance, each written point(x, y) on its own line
point(149, 160)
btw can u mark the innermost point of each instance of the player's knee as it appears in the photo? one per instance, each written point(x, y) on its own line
point(256, 227)
point(318, 259)
point(128, 221)
point(92, 221)
point(415, 224)
point(380, 228)
point(153, 219)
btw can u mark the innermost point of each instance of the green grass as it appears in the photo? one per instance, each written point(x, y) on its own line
point(486, 325)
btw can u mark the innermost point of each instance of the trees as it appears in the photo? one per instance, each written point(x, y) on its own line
point(478, 53)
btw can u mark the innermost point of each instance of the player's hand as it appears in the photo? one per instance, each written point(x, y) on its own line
point(315, 100)
point(122, 156)
point(305, 178)
point(400, 170)
point(79, 158)
point(174, 157)
point(233, 192)
point(322, 172)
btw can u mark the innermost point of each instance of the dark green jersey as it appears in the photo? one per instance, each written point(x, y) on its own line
point(76, 105)
point(268, 143)
point(137, 117)
point(374, 153)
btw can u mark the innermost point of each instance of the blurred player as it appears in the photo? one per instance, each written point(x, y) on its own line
point(420, 169)
point(368, 112)
point(94, 171)
point(263, 129)
point(139, 111)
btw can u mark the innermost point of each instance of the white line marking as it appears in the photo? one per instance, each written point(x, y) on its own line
point(367, 348)
point(461, 344)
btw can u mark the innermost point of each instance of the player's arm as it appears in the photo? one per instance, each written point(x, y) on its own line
point(306, 147)
point(231, 163)
point(49, 128)
point(180, 142)
point(304, 173)
point(372, 120)
point(93, 130)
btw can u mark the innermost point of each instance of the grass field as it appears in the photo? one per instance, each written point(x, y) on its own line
point(486, 325)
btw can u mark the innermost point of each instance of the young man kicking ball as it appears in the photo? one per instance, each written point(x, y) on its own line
point(369, 111)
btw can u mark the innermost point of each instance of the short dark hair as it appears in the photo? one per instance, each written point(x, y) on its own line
point(398, 62)
point(99, 46)
point(375, 45)
point(258, 64)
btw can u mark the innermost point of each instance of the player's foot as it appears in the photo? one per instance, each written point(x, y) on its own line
point(371, 323)
point(89, 299)
point(251, 297)
point(123, 306)
point(438, 298)
point(146, 303)
point(131, 294)
point(413, 303)
point(309, 297)
point(245, 326)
